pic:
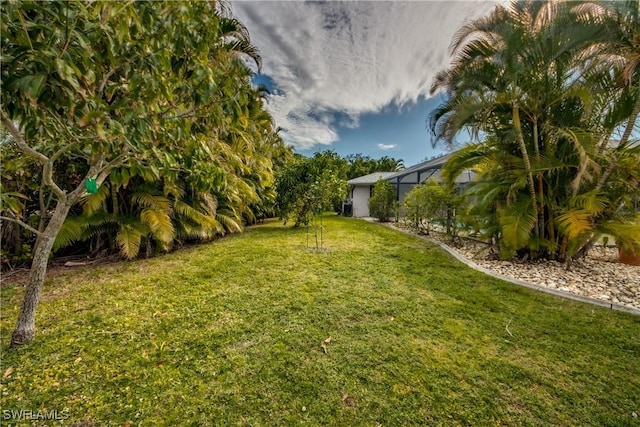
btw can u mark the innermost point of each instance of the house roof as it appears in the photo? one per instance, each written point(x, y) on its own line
point(433, 165)
point(372, 178)
point(465, 176)
point(436, 163)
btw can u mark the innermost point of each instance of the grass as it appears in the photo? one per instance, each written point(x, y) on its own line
point(230, 333)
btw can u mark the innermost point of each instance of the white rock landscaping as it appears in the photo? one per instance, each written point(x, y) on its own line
point(598, 276)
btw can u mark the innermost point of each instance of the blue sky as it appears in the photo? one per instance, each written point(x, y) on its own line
point(354, 77)
point(398, 132)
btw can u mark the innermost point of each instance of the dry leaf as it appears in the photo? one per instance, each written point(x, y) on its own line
point(324, 344)
point(348, 400)
point(8, 372)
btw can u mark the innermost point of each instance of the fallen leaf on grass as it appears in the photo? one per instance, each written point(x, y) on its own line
point(348, 400)
point(8, 372)
point(324, 344)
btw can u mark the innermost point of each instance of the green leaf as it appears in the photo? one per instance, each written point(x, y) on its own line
point(66, 73)
point(575, 222)
point(71, 231)
point(516, 224)
point(128, 238)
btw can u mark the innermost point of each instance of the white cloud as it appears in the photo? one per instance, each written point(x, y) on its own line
point(349, 57)
point(385, 147)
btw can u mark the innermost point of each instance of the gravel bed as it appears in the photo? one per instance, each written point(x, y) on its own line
point(599, 275)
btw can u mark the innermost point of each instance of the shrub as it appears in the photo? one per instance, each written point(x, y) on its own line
point(383, 204)
point(427, 204)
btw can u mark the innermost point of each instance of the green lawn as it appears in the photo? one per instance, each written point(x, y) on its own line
point(230, 333)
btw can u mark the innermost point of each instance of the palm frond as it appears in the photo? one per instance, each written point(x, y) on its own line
point(575, 222)
point(465, 158)
point(159, 222)
point(627, 234)
point(94, 203)
point(593, 202)
point(149, 200)
point(71, 231)
point(202, 224)
point(128, 238)
point(516, 224)
point(229, 220)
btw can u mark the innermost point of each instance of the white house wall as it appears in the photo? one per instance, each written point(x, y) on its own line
point(360, 200)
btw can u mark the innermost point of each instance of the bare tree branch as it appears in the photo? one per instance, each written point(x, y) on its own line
point(103, 173)
point(19, 139)
point(104, 81)
point(47, 176)
point(47, 169)
point(17, 221)
point(47, 163)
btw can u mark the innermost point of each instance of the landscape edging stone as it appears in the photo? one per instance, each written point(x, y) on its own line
point(555, 292)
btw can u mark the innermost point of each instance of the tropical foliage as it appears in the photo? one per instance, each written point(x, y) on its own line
point(360, 165)
point(310, 185)
point(428, 204)
point(152, 104)
point(551, 93)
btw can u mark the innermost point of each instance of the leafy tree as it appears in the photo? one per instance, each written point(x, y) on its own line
point(428, 204)
point(359, 165)
point(105, 85)
point(528, 81)
point(382, 203)
point(310, 185)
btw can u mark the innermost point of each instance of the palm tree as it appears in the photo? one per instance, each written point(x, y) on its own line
point(389, 164)
point(516, 79)
point(494, 74)
point(617, 49)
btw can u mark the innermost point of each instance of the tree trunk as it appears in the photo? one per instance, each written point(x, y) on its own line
point(527, 164)
point(149, 247)
point(540, 181)
point(42, 221)
point(114, 199)
point(563, 249)
point(552, 233)
point(26, 327)
point(584, 250)
point(625, 137)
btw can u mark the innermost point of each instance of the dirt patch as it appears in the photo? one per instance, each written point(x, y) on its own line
point(58, 267)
